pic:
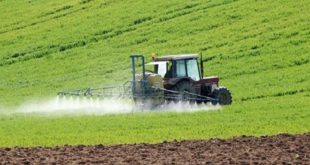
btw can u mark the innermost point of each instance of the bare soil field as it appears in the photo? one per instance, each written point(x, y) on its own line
point(278, 149)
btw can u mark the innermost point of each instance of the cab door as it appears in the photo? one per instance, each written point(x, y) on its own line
point(180, 69)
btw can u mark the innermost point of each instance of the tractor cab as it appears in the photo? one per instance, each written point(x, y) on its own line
point(176, 68)
point(180, 66)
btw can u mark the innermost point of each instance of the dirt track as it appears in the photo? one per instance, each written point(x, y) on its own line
point(283, 149)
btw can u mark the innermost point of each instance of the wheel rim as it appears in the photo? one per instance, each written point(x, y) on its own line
point(223, 98)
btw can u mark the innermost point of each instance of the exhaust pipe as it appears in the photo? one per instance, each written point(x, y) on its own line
point(201, 65)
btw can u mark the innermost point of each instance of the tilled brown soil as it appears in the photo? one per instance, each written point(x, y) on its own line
point(279, 149)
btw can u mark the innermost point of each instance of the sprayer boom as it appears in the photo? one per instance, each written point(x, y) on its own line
point(106, 92)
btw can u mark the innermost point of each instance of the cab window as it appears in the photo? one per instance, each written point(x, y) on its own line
point(192, 69)
point(180, 68)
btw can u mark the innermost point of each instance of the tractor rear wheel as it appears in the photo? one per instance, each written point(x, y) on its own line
point(223, 95)
point(183, 87)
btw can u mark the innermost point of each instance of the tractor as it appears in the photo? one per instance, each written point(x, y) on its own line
point(181, 78)
point(171, 78)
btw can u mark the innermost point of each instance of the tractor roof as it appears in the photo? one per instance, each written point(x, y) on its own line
point(176, 57)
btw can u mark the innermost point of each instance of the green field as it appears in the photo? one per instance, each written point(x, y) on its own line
point(259, 49)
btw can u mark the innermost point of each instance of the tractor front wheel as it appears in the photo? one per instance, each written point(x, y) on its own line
point(223, 95)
